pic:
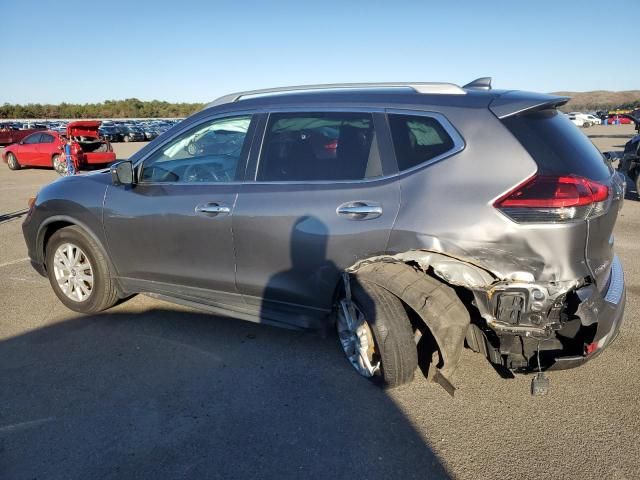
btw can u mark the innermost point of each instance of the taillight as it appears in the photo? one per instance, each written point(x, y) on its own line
point(551, 198)
point(331, 145)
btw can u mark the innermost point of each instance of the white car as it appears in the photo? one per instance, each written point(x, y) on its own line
point(584, 120)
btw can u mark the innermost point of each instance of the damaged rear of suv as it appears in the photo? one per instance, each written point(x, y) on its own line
point(416, 218)
point(545, 289)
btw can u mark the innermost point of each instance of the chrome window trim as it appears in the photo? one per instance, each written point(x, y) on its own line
point(458, 143)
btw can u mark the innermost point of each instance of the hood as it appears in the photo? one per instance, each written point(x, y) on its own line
point(85, 128)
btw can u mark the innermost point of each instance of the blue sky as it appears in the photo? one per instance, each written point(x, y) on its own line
point(79, 51)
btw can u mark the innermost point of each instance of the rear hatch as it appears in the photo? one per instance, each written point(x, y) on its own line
point(573, 183)
point(92, 148)
point(83, 128)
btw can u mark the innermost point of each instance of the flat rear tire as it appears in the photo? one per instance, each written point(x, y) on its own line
point(377, 336)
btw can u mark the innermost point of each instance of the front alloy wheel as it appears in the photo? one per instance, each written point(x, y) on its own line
point(73, 272)
point(12, 162)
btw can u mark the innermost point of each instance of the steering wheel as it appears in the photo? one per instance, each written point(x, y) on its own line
point(200, 172)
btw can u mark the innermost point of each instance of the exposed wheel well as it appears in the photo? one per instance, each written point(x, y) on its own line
point(435, 308)
point(50, 229)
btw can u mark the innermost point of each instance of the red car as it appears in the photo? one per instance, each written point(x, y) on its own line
point(622, 119)
point(46, 148)
point(8, 135)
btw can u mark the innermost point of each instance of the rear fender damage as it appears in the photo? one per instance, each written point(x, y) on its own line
point(448, 324)
point(512, 307)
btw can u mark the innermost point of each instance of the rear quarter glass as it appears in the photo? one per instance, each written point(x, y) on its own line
point(557, 145)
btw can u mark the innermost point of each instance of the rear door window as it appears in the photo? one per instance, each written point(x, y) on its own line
point(418, 139)
point(46, 138)
point(319, 146)
point(35, 138)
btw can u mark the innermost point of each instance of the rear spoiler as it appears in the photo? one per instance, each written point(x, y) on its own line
point(515, 102)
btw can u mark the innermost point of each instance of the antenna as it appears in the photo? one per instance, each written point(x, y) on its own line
point(482, 83)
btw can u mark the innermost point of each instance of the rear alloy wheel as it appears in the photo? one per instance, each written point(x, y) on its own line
point(59, 164)
point(376, 334)
point(126, 138)
point(12, 162)
point(357, 340)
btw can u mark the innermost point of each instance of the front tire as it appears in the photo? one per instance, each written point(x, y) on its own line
point(376, 335)
point(12, 162)
point(78, 271)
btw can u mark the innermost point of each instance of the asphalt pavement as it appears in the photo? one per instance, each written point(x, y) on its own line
point(152, 390)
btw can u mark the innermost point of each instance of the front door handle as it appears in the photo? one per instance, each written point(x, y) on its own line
point(213, 209)
point(359, 210)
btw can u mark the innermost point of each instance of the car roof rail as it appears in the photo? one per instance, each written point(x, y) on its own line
point(418, 87)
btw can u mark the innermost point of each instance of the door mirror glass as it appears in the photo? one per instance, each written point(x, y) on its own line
point(122, 173)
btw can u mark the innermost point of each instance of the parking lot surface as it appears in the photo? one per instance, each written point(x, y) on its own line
point(152, 390)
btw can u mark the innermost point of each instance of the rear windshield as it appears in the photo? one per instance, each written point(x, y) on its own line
point(557, 145)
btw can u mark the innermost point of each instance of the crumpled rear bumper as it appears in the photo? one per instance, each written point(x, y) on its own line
point(610, 317)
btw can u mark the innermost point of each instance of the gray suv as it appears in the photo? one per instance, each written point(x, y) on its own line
point(418, 219)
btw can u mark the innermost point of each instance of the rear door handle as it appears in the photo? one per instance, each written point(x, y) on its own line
point(213, 209)
point(360, 210)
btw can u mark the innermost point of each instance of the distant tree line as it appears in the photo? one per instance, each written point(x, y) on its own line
point(596, 106)
point(129, 108)
point(134, 108)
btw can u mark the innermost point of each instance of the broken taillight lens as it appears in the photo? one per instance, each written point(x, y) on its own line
point(554, 198)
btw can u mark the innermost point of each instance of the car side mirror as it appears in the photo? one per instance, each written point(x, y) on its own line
point(122, 173)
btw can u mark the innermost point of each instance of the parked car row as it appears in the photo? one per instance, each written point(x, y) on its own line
point(110, 130)
point(45, 148)
point(586, 120)
point(134, 130)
